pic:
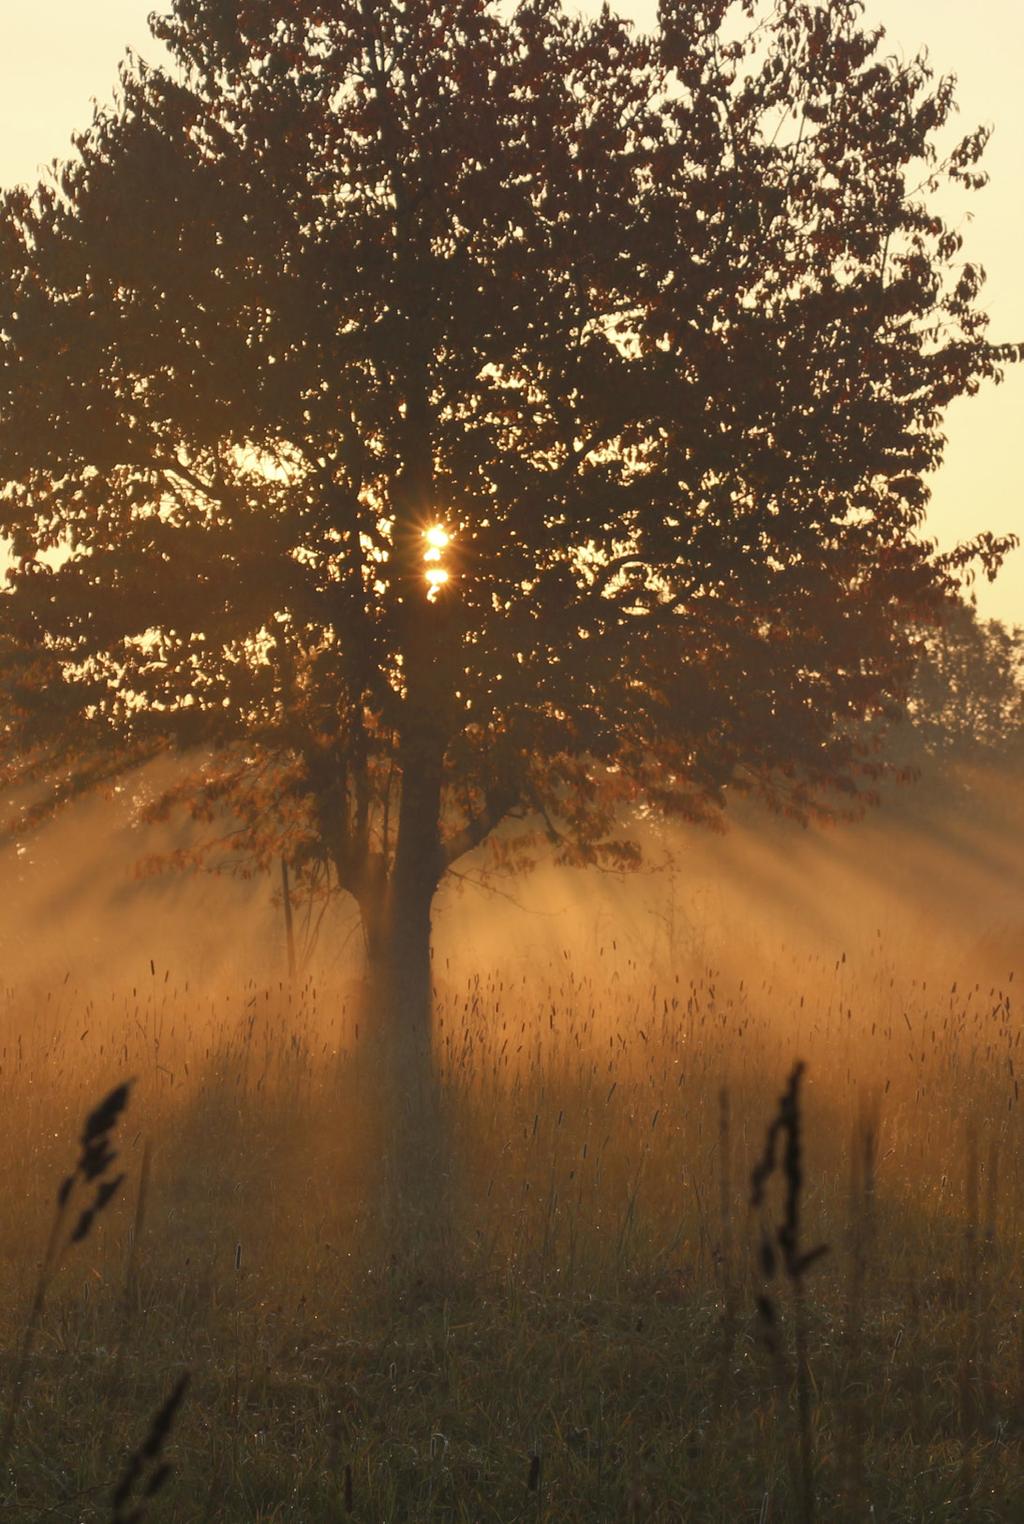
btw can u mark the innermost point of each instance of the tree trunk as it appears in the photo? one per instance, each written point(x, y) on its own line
point(417, 1167)
point(289, 927)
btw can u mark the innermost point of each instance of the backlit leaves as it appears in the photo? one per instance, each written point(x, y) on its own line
point(661, 326)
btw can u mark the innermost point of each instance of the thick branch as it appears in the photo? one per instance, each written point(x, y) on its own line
point(498, 803)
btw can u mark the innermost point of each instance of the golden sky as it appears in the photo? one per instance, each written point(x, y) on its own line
point(55, 58)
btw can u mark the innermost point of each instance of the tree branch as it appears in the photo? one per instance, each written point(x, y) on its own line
point(498, 802)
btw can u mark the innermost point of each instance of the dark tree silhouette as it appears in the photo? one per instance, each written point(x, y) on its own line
point(657, 329)
point(965, 701)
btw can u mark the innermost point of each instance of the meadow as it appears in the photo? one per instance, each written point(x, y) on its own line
point(595, 1331)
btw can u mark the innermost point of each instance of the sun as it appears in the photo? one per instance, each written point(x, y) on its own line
point(436, 539)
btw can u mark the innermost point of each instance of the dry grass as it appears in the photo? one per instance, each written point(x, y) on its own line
point(590, 1348)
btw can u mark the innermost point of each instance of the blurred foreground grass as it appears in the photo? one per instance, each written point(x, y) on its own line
point(587, 1345)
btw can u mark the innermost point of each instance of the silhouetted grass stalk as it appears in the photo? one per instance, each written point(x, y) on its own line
point(146, 1474)
point(92, 1169)
point(969, 1299)
point(129, 1297)
point(988, 1251)
point(726, 1251)
point(796, 1262)
point(860, 1242)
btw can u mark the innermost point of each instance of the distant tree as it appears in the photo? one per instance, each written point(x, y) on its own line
point(657, 330)
point(965, 700)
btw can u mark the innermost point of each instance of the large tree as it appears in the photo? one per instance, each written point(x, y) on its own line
point(658, 330)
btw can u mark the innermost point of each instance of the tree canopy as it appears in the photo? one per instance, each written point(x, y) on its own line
point(428, 413)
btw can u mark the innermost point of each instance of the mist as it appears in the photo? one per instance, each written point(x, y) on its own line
point(933, 877)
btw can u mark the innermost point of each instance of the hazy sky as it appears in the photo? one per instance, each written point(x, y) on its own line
point(55, 58)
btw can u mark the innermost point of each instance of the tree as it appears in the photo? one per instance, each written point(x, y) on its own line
point(966, 697)
point(644, 340)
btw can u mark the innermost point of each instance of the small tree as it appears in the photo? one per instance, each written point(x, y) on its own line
point(439, 413)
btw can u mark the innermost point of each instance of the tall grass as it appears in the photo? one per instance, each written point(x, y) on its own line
point(591, 1346)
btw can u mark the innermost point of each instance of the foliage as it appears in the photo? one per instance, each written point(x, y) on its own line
point(966, 700)
point(660, 328)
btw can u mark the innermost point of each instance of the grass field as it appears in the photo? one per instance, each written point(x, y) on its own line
point(586, 1344)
